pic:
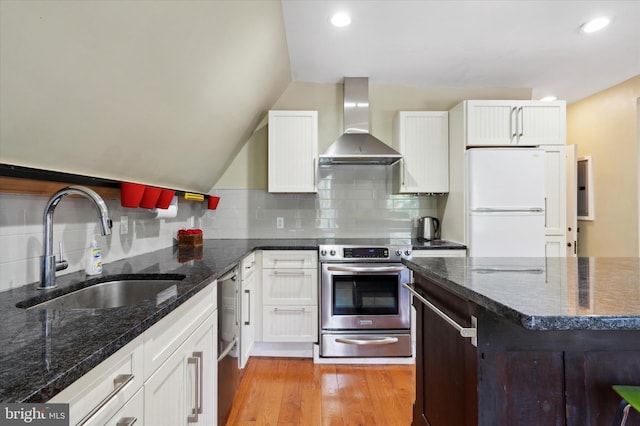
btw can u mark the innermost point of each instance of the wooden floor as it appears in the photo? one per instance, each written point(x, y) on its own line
point(289, 391)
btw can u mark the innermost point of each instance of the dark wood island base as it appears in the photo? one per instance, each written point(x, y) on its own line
point(517, 374)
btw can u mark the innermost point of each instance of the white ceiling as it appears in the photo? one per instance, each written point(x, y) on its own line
point(475, 43)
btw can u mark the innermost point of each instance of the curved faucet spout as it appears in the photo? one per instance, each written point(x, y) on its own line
point(49, 264)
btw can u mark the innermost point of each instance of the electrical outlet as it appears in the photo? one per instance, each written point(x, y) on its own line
point(280, 222)
point(124, 225)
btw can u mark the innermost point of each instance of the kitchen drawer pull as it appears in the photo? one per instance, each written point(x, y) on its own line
point(193, 417)
point(119, 382)
point(127, 421)
point(370, 269)
point(464, 331)
point(289, 310)
point(289, 260)
point(367, 342)
point(288, 272)
point(248, 321)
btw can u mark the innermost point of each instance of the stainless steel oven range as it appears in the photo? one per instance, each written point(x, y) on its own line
point(364, 309)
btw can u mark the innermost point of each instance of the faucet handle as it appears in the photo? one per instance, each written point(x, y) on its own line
point(61, 263)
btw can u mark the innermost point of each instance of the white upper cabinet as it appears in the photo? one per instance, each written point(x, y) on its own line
point(293, 151)
point(508, 123)
point(422, 137)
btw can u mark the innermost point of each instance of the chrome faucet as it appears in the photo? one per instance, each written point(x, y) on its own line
point(49, 264)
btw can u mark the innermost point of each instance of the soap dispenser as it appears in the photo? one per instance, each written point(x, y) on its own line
point(94, 258)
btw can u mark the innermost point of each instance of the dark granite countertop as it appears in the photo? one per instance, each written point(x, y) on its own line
point(44, 351)
point(545, 294)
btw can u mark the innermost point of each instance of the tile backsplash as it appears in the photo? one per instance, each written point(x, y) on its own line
point(352, 201)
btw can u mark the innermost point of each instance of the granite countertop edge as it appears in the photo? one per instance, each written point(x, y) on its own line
point(532, 322)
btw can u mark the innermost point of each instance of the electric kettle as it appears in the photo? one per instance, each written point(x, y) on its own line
point(428, 228)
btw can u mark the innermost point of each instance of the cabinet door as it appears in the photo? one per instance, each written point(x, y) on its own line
point(200, 352)
point(290, 324)
point(293, 151)
point(422, 137)
point(541, 123)
point(555, 189)
point(165, 393)
point(491, 123)
point(446, 363)
point(247, 321)
point(183, 390)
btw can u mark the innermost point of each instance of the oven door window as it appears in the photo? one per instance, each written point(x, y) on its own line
point(365, 295)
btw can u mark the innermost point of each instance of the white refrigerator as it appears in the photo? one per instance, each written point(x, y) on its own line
point(505, 202)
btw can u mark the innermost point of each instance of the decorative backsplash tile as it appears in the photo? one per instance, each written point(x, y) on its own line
point(352, 202)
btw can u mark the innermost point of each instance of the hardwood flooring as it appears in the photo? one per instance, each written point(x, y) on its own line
point(289, 391)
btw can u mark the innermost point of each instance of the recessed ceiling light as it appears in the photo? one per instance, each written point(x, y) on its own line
point(595, 24)
point(549, 98)
point(340, 19)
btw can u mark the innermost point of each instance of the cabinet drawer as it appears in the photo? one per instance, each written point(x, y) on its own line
point(290, 259)
point(161, 340)
point(131, 413)
point(105, 388)
point(290, 324)
point(248, 266)
point(290, 287)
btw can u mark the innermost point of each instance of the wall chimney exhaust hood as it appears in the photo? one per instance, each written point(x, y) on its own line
point(356, 145)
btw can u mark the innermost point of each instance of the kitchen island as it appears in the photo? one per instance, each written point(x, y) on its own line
point(548, 339)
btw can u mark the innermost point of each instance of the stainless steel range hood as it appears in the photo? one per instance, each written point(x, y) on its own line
point(357, 145)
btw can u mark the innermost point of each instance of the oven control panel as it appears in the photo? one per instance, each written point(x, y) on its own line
point(368, 254)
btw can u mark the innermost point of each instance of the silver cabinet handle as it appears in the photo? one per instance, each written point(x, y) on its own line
point(279, 272)
point(521, 121)
point(367, 342)
point(126, 421)
point(248, 321)
point(464, 331)
point(289, 310)
point(193, 417)
point(119, 382)
point(513, 129)
point(402, 172)
point(370, 269)
point(200, 357)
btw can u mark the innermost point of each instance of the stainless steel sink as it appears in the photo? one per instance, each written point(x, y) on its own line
point(110, 294)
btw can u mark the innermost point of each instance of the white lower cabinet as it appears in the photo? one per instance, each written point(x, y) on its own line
point(248, 276)
point(182, 391)
point(290, 296)
point(166, 377)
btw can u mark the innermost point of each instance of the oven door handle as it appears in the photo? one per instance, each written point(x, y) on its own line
point(367, 341)
point(366, 269)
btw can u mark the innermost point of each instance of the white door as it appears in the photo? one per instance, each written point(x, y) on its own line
point(572, 201)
